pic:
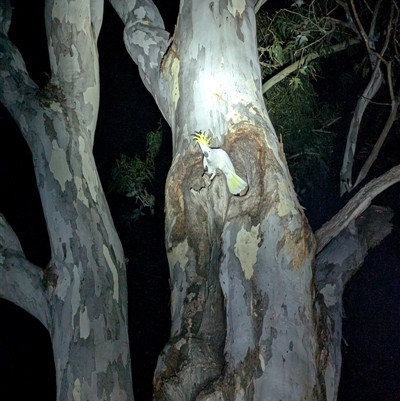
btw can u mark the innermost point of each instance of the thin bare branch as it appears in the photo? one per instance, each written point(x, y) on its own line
point(374, 18)
point(359, 24)
point(369, 43)
point(347, 11)
point(396, 30)
point(373, 86)
point(375, 151)
point(389, 31)
point(346, 172)
point(368, 7)
point(390, 80)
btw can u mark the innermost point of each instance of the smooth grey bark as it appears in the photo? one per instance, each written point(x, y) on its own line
point(24, 281)
point(248, 322)
point(355, 206)
point(81, 296)
point(240, 266)
point(334, 267)
point(378, 58)
point(346, 182)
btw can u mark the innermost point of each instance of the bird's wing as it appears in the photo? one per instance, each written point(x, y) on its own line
point(223, 161)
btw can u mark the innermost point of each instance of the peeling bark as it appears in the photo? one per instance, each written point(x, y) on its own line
point(335, 265)
point(248, 321)
point(261, 240)
point(240, 266)
point(81, 296)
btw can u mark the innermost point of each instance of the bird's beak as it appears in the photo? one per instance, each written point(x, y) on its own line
point(203, 148)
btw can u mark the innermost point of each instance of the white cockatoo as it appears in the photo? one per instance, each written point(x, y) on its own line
point(217, 158)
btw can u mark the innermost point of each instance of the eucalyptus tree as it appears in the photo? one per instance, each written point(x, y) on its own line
point(256, 295)
point(81, 295)
point(252, 317)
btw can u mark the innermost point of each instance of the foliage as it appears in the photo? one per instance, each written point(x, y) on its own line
point(284, 38)
point(292, 34)
point(153, 144)
point(303, 127)
point(291, 43)
point(131, 175)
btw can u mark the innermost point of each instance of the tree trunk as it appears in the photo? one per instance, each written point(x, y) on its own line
point(240, 266)
point(248, 320)
point(81, 296)
point(256, 248)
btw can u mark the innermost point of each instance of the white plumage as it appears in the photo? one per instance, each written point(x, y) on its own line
point(217, 158)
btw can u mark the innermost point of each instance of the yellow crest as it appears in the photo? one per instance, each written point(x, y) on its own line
point(202, 138)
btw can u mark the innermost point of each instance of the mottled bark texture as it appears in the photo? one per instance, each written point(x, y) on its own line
point(81, 296)
point(248, 320)
point(242, 315)
point(335, 265)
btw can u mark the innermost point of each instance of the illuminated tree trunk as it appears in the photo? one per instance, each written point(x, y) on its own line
point(81, 296)
point(248, 320)
point(242, 319)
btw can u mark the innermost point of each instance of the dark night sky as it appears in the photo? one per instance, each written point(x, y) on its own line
point(371, 364)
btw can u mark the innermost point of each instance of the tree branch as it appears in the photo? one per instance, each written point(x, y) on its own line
point(369, 92)
point(355, 207)
point(373, 86)
point(145, 37)
point(21, 282)
point(335, 265)
point(297, 64)
point(375, 151)
point(72, 42)
point(361, 28)
point(258, 5)
point(366, 232)
point(17, 89)
point(5, 16)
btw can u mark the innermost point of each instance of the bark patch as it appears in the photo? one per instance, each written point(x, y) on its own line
point(58, 166)
point(178, 254)
point(246, 248)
